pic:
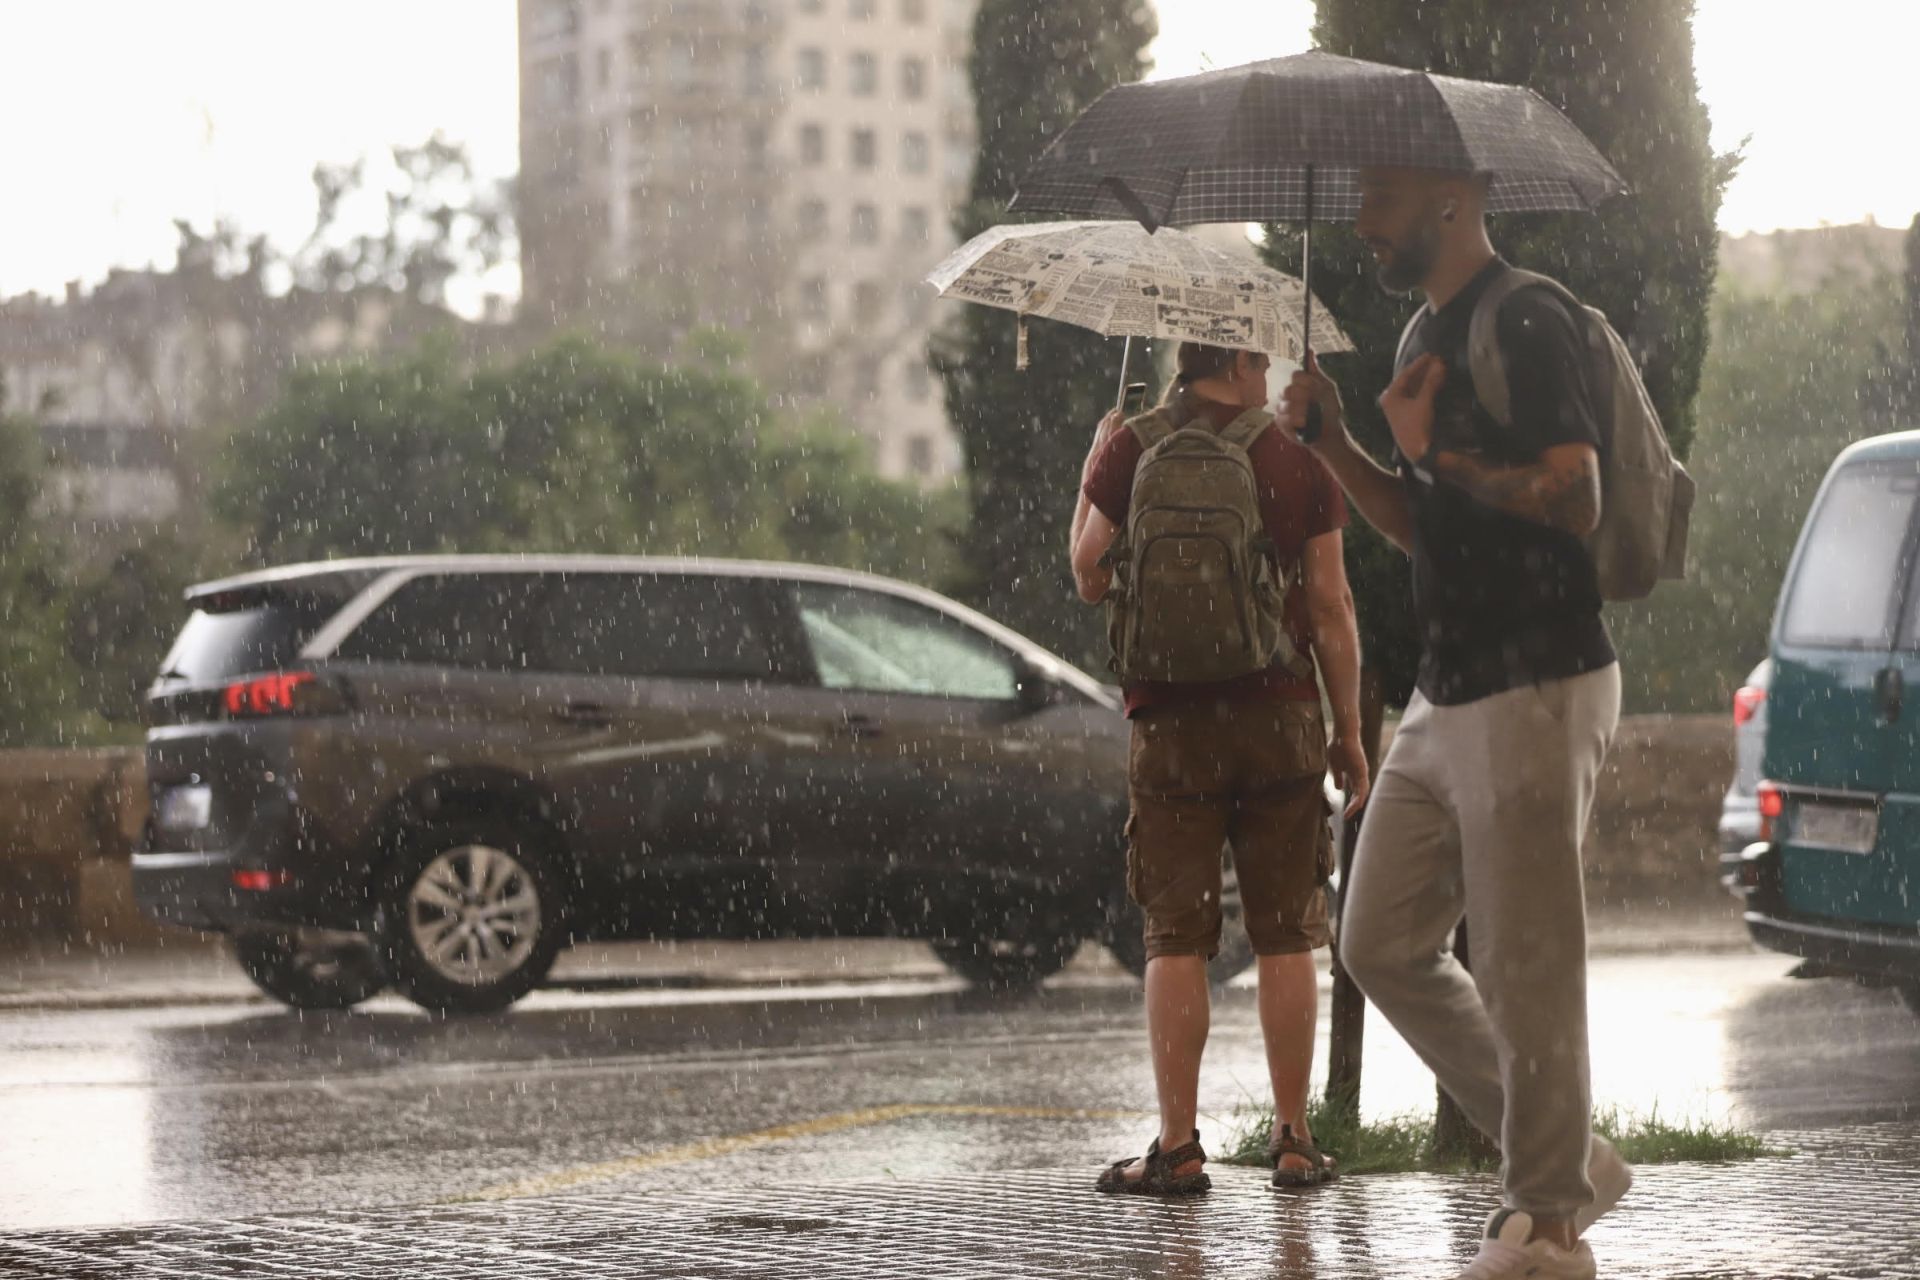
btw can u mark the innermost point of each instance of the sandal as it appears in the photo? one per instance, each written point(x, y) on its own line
point(1159, 1178)
point(1320, 1165)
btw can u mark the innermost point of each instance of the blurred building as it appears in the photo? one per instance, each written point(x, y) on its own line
point(787, 168)
point(129, 381)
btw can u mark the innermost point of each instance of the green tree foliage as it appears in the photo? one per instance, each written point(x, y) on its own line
point(1623, 72)
point(1780, 395)
point(38, 682)
point(1034, 68)
point(571, 448)
point(120, 620)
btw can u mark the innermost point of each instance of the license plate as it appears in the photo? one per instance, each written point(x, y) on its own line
point(184, 809)
point(1848, 828)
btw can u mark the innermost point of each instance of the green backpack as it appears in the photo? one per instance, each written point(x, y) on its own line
point(1197, 592)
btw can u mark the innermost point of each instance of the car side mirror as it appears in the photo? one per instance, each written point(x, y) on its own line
point(1034, 686)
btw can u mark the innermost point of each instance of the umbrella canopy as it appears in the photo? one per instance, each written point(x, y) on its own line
point(1285, 140)
point(1117, 279)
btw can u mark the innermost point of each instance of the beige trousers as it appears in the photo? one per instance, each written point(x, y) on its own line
point(1479, 812)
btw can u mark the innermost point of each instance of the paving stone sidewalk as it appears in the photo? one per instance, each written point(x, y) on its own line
point(1842, 1206)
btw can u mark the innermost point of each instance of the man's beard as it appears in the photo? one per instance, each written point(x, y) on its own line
point(1410, 262)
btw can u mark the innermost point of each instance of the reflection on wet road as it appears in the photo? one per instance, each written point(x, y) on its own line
point(162, 1113)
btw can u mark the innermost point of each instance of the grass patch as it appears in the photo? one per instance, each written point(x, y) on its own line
point(1406, 1143)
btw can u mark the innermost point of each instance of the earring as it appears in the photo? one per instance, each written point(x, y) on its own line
point(1446, 214)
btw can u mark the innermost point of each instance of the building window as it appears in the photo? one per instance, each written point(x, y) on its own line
point(864, 73)
point(754, 70)
point(920, 455)
point(916, 299)
point(756, 140)
point(914, 11)
point(813, 145)
point(812, 6)
point(603, 67)
point(813, 219)
point(913, 78)
point(915, 226)
point(866, 224)
point(866, 303)
point(860, 10)
point(917, 380)
point(683, 63)
point(813, 298)
point(866, 381)
point(810, 376)
point(866, 149)
point(560, 83)
point(556, 18)
point(916, 154)
point(813, 69)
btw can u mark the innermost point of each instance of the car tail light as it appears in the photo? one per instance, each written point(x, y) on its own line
point(274, 695)
point(257, 881)
point(1747, 701)
point(1773, 803)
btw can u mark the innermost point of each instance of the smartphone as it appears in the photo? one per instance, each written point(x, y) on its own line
point(1136, 398)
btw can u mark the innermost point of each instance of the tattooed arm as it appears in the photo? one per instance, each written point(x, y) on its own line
point(1561, 490)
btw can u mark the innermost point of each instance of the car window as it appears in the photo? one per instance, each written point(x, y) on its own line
point(1843, 592)
point(879, 643)
point(704, 626)
point(265, 635)
point(476, 620)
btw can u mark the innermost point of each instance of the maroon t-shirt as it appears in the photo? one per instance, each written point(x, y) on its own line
point(1299, 501)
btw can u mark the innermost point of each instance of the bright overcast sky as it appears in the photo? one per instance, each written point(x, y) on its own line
point(124, 114)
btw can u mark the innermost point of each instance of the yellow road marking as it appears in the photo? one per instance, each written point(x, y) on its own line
point(708, 1148)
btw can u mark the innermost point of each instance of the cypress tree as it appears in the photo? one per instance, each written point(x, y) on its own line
point(1034, 68)
point(1623, 73)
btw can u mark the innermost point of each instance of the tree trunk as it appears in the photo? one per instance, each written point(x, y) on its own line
point(1346, 1038)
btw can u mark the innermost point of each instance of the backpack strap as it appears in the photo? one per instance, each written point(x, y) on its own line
point(1151, 428)
point(1246, 428)
point(1485, 360)
point(1406, 337)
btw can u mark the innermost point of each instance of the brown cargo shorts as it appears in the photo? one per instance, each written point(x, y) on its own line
point(1245, 775)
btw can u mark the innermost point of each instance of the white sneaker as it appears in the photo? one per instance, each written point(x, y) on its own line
point(1611, 1178)
point(1507, 1254)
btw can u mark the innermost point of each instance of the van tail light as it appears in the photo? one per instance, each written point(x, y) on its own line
point(1773, 803)
point(1747, 701)
point(250, 880)
point(275, 695)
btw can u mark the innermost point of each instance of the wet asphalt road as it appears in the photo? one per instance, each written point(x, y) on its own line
point(132, 1115)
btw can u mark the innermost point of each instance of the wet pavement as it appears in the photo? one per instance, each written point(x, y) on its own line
point(135, 1115)
point(1842, 1206)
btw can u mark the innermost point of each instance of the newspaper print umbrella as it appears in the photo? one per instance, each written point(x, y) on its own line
point(1285, 140)
point(1120, 280)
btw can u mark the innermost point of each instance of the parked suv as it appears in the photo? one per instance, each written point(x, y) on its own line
point(471, 761)
point(1835, 874)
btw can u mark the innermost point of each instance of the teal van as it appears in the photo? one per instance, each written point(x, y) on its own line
point(1835, 875)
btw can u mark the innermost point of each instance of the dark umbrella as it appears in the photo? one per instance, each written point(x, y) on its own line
point(1285, 140)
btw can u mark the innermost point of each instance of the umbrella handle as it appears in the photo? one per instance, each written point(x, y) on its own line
point(1310, 430)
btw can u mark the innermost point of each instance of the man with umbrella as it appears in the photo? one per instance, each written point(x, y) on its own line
point(1481, 803)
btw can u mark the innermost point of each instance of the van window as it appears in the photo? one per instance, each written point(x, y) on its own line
point(265, 634)
point(1844, 591)
point(684, 626)
point(475, 620)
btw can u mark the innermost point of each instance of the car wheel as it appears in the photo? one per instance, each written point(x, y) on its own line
point(1128, 945)
point(1910, 996)
point(310, 968)
point(1006, 964)
point(471, 916)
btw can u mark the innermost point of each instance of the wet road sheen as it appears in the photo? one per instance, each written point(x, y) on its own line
point(135, 1115)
